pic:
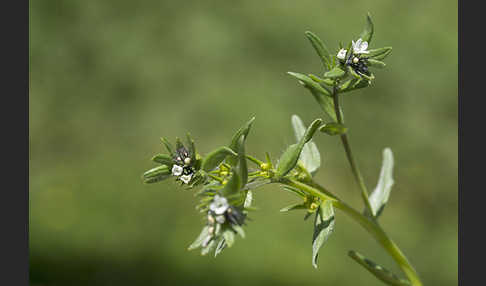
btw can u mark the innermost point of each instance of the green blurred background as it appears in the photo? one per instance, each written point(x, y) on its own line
point(108, 78)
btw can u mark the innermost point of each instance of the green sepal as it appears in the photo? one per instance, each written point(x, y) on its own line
point(163, 159)
point(290, 157)
point(336, 72)
point(156, 174)
point(333, 128)
point(220, 247)
point(216, 157)
point(376, 63)
point(378, 271)
point(320, 48)
point(367, 33)
point(323, 228)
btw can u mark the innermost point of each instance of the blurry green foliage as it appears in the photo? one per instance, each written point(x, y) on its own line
point(109, 78)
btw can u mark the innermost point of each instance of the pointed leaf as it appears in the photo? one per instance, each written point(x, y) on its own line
point(310, 156)
point(163, 159)
point(378, 54)
point(309, 83)
point(297, 206)
point(248, 199)
point(220, 247)
point(234, 144)
point(323, 228)
point(320, 48)
point(229, 237)
point(289, 158)
point(333, 128)
point(379, 196)
point(367, 33)
point(376, 63)
point(216, 157)
point(378, 271)
point(199, 240)
point(156, 174)
point(336, 72)
point(168, 146)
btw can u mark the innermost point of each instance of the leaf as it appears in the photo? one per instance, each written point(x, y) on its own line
point(297, 206)
point(199, 240)
point(310, 156)
point(234, 144)
point(289, 158)
point(320, 48)
point(379, 196)
point(367, 33)
point(216, 157)
point(192, 147)
point(168, 146)
point(376, 63)
point(220, 247)
point(321, 95)
point(233, 185)
point(248, 199)
point(323, 228)
point(336, 72)
point(378, 271)
point(163, 159)
point(333, 128)
point(229, 237)
point(239, 230)
point(242, 167)
point(378, 54)
point(309, 83)
point(156, 174)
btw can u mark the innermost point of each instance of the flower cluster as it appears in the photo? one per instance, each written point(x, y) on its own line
point(353, 58)
point(182, 168)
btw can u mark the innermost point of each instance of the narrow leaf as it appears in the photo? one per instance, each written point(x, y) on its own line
point(378, 54)
point(336, 72)
point(229, 237)
point(156, 174)
point(216, 157)
point(163, 159)
point(320, 48)
point(289, 158)
point(168, 146)
point(248, 199)
point(378, 271)
point(367, 33)
point(323, 228)
point(379, 196)
point(376, 63)
point(220, 247)
point(310, 156)
point(243, 131)
point(309, 83)
point(204, 233)
point(297, 206)
point(333, 128)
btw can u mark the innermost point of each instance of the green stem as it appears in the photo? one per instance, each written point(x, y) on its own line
point(349, 154)
point(370, 225)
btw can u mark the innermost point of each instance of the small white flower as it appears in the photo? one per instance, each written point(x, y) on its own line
point(219, 205)
point(360, 47)
point(220, 219)
point(341, 54)
point(186, 178)
point(176, 170)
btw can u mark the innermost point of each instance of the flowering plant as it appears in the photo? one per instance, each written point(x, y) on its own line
point(225, 181)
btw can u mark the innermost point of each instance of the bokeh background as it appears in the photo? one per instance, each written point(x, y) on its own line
point(108, 78)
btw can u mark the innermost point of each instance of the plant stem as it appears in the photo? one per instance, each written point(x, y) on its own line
point(349, 154)
point(370, 225)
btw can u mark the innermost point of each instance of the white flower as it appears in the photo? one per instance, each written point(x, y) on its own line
point(177, 170)
point(219, 205)
point(341, 54)
point(360, 47)
point(186, 178)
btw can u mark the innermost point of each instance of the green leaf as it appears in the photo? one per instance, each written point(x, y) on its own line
point(242, 167)
point(296, 206)
point(333, 128)
point(307, 82)
point(163, 159)
point(220, 247)
point(320, 48)
point(310, 156)
point(378, 54)
point(378, 271)
point(192, 147)
point(367, 33)
point(376, 63)
point(336, 72)
point(204, 233)
point(156, 174)
point(216, 157)
point(239, 230)
point(168, 146)
point(353, 73)
point(323, 228)
point(233, 185)
point(209, 247)
point(379, 196)
point(229, 237)
point(321, 95)
point(248, 199)
point(289, 158)
point(235, 141)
